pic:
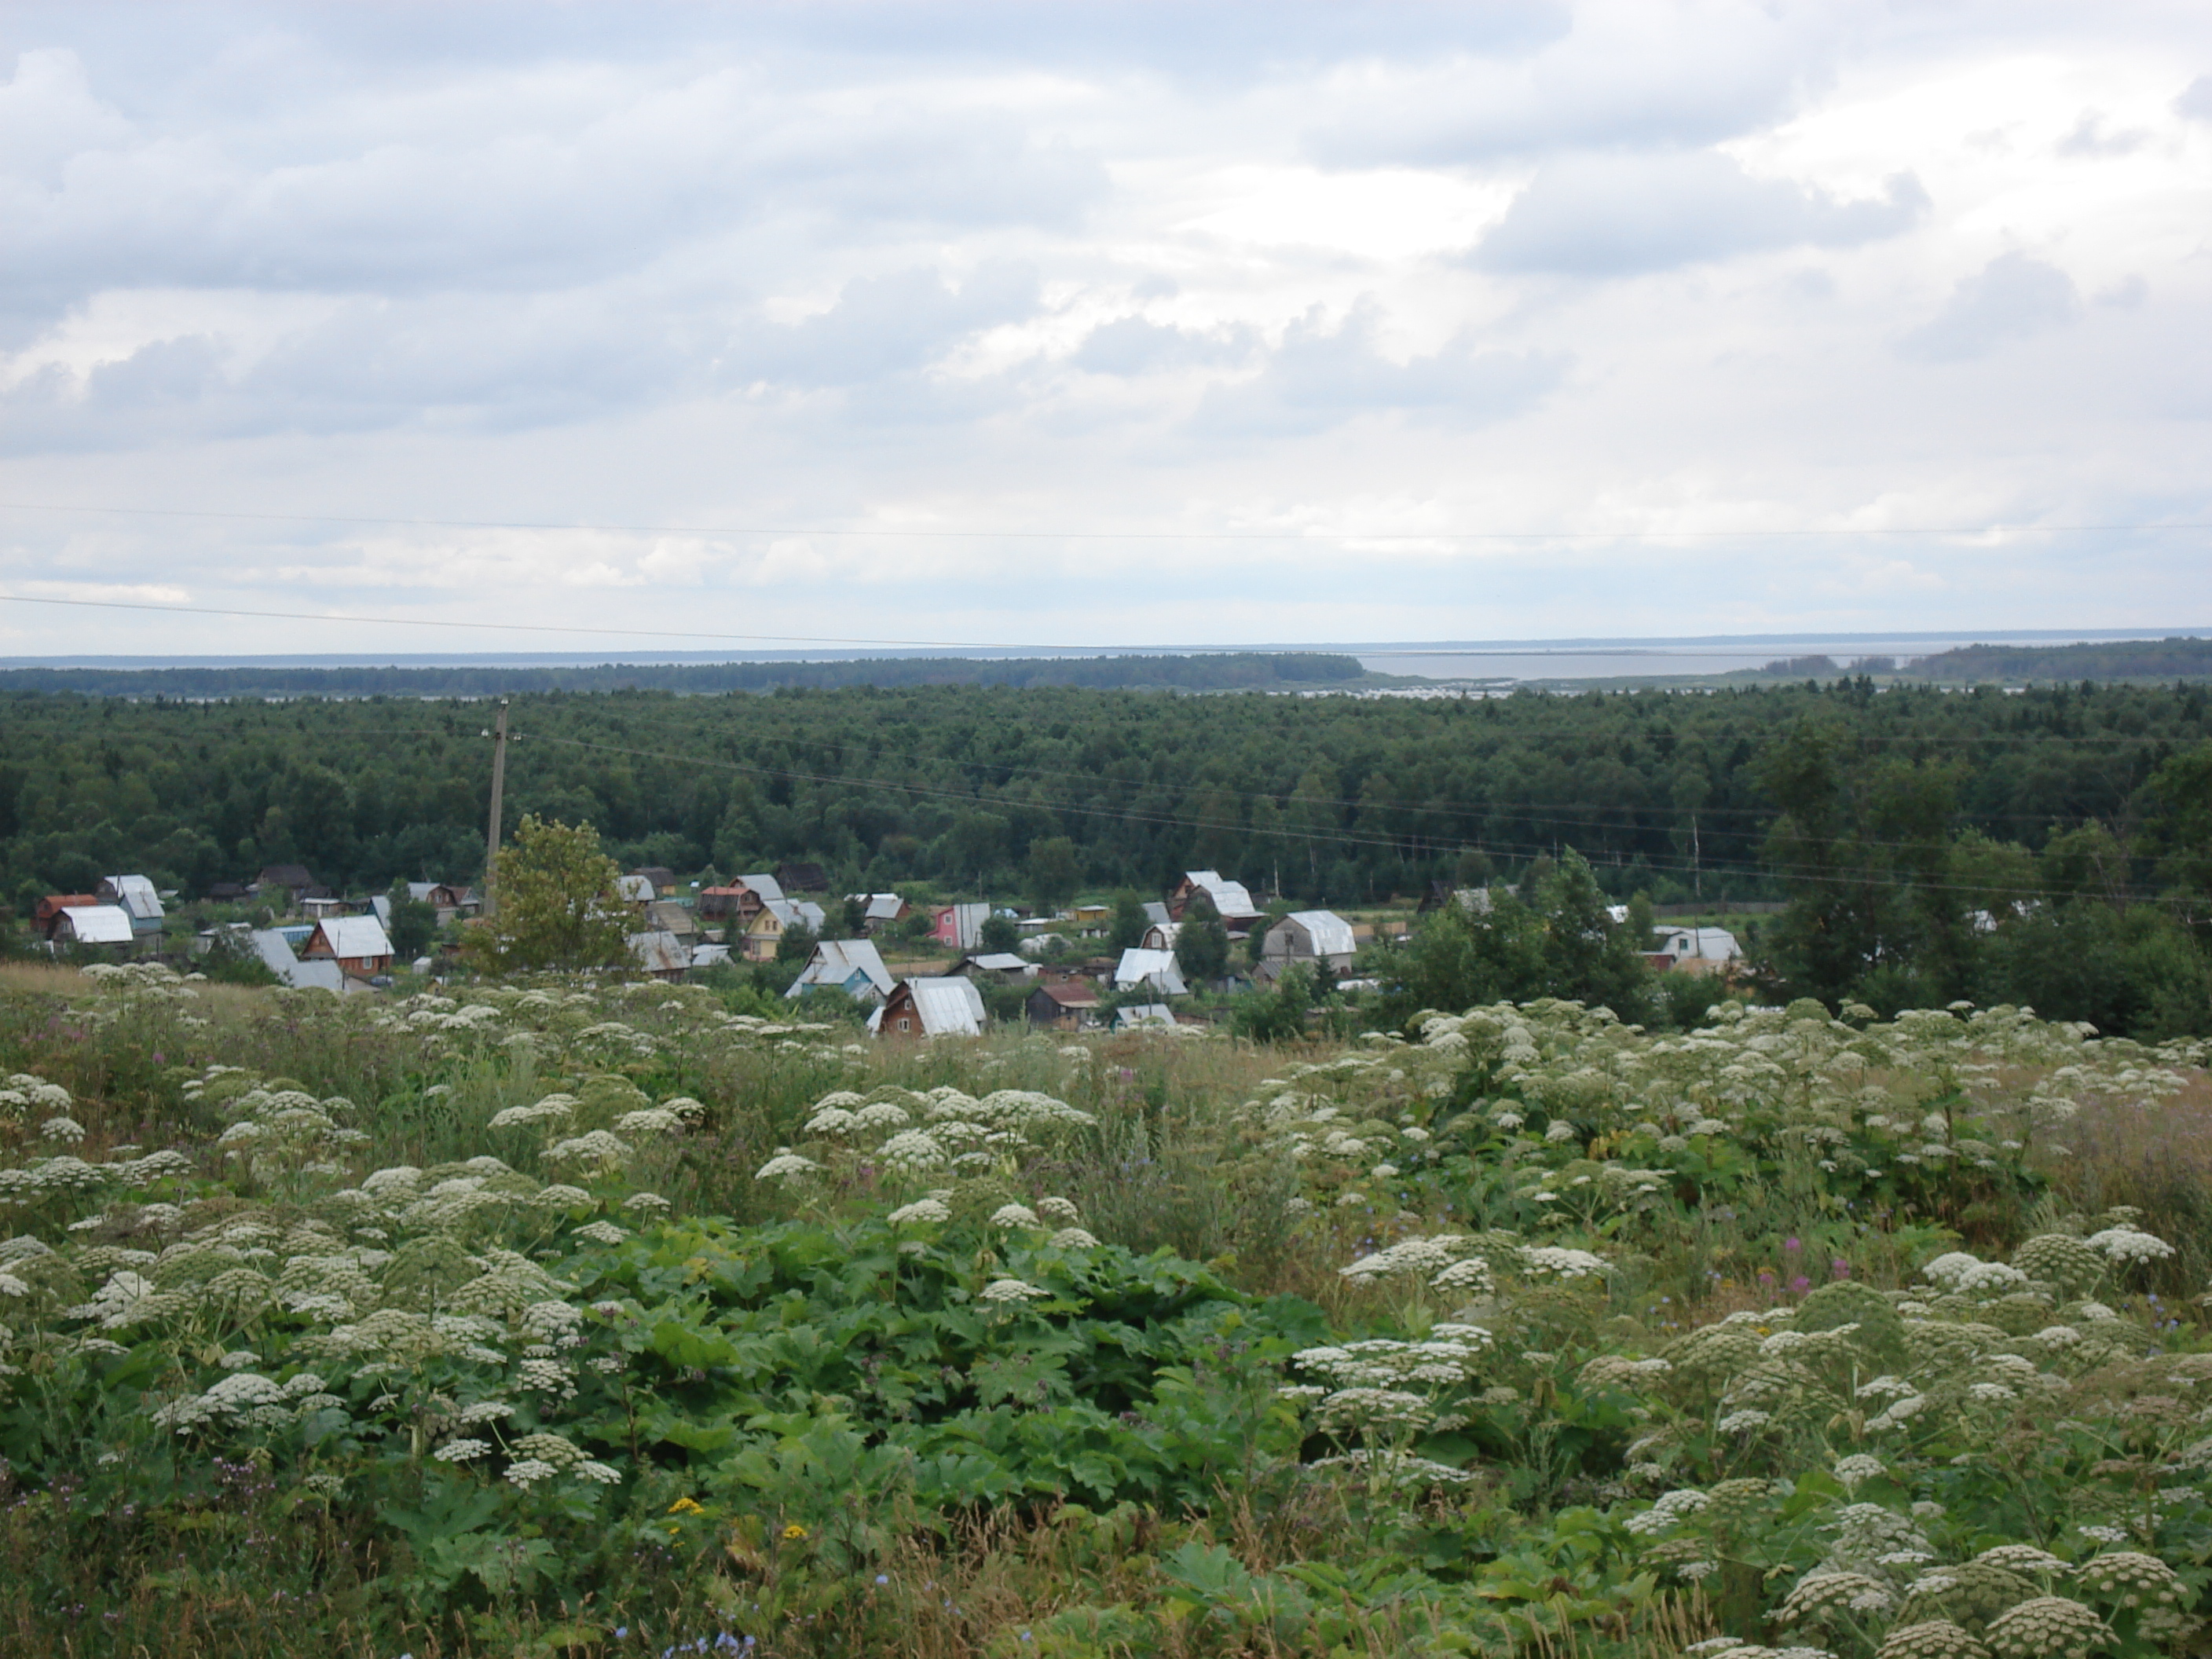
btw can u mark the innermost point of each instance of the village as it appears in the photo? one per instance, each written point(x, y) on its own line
point(915, 969)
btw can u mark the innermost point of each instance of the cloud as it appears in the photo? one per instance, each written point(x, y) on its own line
point(1622, 214)
point(2014, 297)
point(1131, 346)
point(883, 326)
point(2195, 103)
point(2091, 138)
point(1319, 378)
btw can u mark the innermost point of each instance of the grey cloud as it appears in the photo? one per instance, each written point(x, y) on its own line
point(883, 326)
point(1317, 380)
point(2195, 103)
point(2091, 138)
point(1650, 82)
point(2012, 298)
point(1131, 346)
point(1614, 216)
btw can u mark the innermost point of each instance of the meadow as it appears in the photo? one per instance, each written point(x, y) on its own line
point(579, 1317)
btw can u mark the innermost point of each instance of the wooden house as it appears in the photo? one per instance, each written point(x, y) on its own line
point(357, 944)
point(1066, 1005)
point(930, 1008)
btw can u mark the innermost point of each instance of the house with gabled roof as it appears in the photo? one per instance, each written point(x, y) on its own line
point(1155, 969)
point(1318, 937)
point(1232, 902)
point(930, 1008)
point(135, 894)
point(1067, 1005)
point(357, 944)
point(765, 928)
point(854, 966)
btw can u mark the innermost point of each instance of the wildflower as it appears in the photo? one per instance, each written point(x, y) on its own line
point(1013, 1215)
point(1072, 1238)
point(793, 1532)
point(462, 1451)
point(2046, 1627)
point(786, 1165)
point(1009, 1290)
point(527, 1472)
point(1933, 1638)
point(2128, 1245)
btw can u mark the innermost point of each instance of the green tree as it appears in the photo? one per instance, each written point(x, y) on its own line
point(556, 904)
point(796, 943)
point(997, 935)
point(1130, 923)
point(414, 924)
point(1201, 949)
point(1054, 873)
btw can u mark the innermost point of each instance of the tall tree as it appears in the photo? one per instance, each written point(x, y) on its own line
point(557, 906)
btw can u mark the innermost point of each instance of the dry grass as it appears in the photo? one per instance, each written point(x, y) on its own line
point(2156, 1155)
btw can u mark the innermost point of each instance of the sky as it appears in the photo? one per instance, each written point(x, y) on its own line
point(1074, 325)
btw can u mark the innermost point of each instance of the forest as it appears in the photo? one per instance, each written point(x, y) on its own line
point(2051, 845)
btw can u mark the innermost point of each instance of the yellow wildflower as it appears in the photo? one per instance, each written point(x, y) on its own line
point(794, 1531)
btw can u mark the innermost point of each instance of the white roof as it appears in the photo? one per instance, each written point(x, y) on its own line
point(948, 1007)
point(837, 962)
point(354, 936)
point(1003, 962)
point(135, 894)
point(1156, 912)
point(1150, 1014)
point(98, 924)
point(706, 956)
point(767, 887)
point(275, 951)
point(1711, 944)
point(420, 891)
point(1154, 968)
point(1230, 898)
point(380, 908)
point(638, 890)
point(882, 906)
point(1331, 934)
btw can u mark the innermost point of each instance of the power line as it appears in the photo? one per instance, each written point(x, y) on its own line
point(1844, 879)
point(915, 532)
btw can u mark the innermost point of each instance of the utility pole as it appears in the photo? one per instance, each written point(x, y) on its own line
point(498, 789)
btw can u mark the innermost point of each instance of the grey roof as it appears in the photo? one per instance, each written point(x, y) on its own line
point(1156, 912)
point(353, 936)
point(667, 916)
point(795, 913)
point(98, 924)
point(380, 908)
point(660, 953)
point(882, 906)
point(135, 894)
point(637, 889)
point(761, 886)
point(706, 956)
point(420, 891)
point(1230, 897)
point(1710, 944)
point(838, 962)
point(1150, 1014)
point(1004, 962)
point(947, 1007)
point(275, 951)
point(1157, 968)
point(1328, 934)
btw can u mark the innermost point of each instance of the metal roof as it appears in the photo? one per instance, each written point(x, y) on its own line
point(97, 923)
point(1155, 968)
point(1230, 897)
point(135, 894)
point(763, 886)
point(882, 906)
point(660, 953)
point(838, 962)
point(1005, 961)
point(946, 1007)
point(637, 889)
point(275, 951)
point(795, 913)
point(1329, 934)
point(1150, 1014)
point(352, 936)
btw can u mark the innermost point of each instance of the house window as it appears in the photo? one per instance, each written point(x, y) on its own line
point(905, 1024)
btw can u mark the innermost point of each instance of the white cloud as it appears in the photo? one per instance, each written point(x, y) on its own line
point(1607, 268)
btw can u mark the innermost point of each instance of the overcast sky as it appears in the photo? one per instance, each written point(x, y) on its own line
point(1298, 294)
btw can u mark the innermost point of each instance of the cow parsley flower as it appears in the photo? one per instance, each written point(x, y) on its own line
point(787, 1165)
point(2047, 1627)
point(462, 1451)
point(1073, 1238)
point(921, 1211)
point(1014, 1215)
point(2129, 1245)
point(1012, 1291)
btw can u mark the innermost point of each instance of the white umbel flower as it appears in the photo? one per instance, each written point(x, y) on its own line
point(1012, 1291)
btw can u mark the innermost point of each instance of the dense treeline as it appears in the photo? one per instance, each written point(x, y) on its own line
point(1923, 836)
point(2177, 658)
point(1222, 671)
